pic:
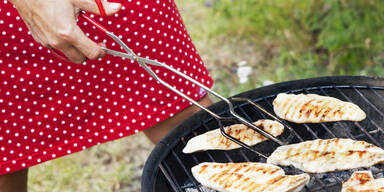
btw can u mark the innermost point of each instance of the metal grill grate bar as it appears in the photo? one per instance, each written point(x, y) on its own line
point(318, 180)
point(338, 123)
point(169, 175)
point(187, 172)
point(319, 184)
point(373, 106)
point(193, 156)
point(366, 100)
point(357, 123)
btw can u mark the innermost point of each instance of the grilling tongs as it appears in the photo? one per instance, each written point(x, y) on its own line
point(144, 62)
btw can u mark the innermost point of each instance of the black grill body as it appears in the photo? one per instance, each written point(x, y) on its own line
point(168, 169)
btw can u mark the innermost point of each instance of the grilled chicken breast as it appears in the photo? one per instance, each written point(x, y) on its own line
point(253, 169)
point(320, 156)
point(312, 108)
point(214, 140)
point(363, 181)
point(247, 177)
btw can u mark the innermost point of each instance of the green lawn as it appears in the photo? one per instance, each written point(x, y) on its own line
point(287, 39)
point(280, 39)
point(113, 166)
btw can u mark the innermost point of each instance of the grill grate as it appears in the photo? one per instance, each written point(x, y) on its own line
point(175, 167)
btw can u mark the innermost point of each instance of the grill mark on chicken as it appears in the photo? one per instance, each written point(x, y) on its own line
point(239, 168)
point(215, 140)
point(203, 168)
point(235, 167)
point(237, 133)
point(336, 112)
point(320, 156)
point(307, 109)
point(277, 182)
point(232, 182)
point(323, 112)
point(312, 108)
point(363, 181)
point(247, 177)
point(363, 178)
point(318, 112)
point(252, 186)
point(224, 178)
point(295, 107)
point(284, 105)
point(212, 176)
point(289, 106)
point(300, 105)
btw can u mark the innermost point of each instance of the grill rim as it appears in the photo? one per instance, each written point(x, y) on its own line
point(163, 148)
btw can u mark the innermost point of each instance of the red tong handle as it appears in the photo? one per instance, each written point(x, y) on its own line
point(82, 14)
point(95, 23)
point(101, 8)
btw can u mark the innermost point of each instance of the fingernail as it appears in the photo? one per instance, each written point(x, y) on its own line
point(115, 6)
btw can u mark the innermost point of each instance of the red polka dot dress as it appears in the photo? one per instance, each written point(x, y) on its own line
point(50, 108)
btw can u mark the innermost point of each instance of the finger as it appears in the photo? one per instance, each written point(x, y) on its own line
point(77, 12)
point(86, 46)
point(91, 6)
point(73, 54)
point(101, 45)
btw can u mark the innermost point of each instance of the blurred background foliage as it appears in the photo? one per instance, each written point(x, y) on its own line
point(346, 37)
point(279, 40)
point(301, 39)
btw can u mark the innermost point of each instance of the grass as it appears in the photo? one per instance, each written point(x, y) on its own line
point(280, 39)
point(114, 166)
point(288, 39)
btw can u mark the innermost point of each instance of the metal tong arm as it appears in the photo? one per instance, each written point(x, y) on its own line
point(231, 108)
point(143, 63)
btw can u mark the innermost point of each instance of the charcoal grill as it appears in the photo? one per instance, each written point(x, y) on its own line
point(168, 169)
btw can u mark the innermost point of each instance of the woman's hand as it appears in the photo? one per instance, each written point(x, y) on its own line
point(53, 24)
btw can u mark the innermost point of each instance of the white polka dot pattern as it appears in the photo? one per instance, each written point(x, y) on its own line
point(50, 108)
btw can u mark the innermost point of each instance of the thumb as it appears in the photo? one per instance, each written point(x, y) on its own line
point(91, 6)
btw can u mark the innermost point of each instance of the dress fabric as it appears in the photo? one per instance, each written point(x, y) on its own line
point(50, 108)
